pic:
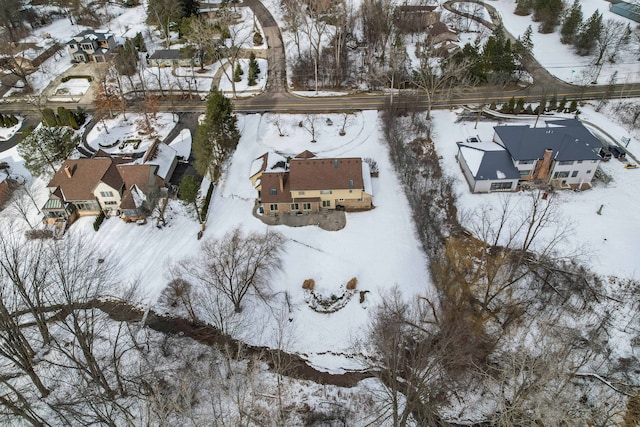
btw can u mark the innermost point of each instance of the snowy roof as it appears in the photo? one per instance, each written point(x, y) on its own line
point(488, 161)
point(267, 162)
point(182, 144)
point(164, 157)
point(366, 178)
point(568, 139)
point(165, 54)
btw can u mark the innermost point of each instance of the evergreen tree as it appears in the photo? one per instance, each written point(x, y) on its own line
point(562, 104)
point(216, 137)
point(553, 103)
point(523, 7)
point(529, 110)
point(49, 117)
point(587, 38)
point(571, 23)
point(547, 12)
point(519, 105)
point(237, 73)
point(512, 105)
point(3, 122)
point(573, 106)
point(188, 192)
point(254, 70)
point(525, 41)
point(138, 42)
point(44, 148)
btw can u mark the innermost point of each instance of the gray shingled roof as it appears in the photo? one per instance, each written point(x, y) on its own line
point(165, 54)
point(495, 164)
point(568, 139)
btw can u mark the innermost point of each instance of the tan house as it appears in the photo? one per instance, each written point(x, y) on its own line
point(88, 186)
point(310, 184)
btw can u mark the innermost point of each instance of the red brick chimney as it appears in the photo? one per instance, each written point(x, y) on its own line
point(281, 180)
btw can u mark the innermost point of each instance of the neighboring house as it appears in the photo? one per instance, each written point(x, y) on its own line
point(442, 38)
point(310, 184)
point(172, 58)
point(414, 19)
point(564, 154)
point(87, 186)
point(628, 10)
point(91, 46)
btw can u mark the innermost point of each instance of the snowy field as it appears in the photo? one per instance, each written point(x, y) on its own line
point(242, 87)
point(603, 242)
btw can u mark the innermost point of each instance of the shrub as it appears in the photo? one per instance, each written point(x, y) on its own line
point(257, 38)
point(98, 222)
point(351, 284)
point(309, 284)
point(207, 200)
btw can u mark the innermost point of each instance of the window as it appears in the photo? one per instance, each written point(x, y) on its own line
point(589, 171)
point(525, 162)
point(273, 207)
point(574, 174)
point(325, 191)
point(565, 162)
point(561, 175)
point(579, 162)
point(497, 186)
point(294, 206)
point(300, 193)
point(306, 206)
point(350, 183)
point(274, 191)
point(326, 203)
point(106, 193)
point(525, 173)
point(110, 202)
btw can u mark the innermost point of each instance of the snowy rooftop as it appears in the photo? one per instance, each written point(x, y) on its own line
point(488, 161)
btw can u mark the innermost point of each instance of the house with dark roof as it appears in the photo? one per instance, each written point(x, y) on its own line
point(172, 58)
point(91, 46)
point(309, 184)
point(563, 154)
point(626, 9)
point(88, 186)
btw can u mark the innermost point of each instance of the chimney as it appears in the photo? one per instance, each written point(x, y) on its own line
point(68, 171)
point(281, 180)
point(544, 167)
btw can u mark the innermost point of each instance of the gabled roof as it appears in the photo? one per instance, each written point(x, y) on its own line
point(90, 36)
point(306, 154)
point(142, 176)
point(488, 161)
point(325, 174)
point(165, 54)
point(568, 139)
point(85, 175)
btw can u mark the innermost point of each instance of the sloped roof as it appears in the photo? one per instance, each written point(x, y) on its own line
point(568, 139)
point(90, 36)
point(325, 174)
point(86, 174)
point(627, 10)
point(306, 154)
point(271, 180)
point(488, 161)
point(165, 54)
point(139, 175)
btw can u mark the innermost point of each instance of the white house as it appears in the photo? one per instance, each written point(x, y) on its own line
point(563, 154)
point(91, 46)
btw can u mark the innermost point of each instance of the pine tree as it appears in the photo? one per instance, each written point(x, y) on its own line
point(562, 105)
point(237, 73)
point(547, 12)
point(553, 103)
point(529, 110)
point(526, 41)
point(520, 105)
point(523, 7)
point(512, 105)
point(45, 147)
point(573, 106)
point(571, 23)
point(587, 38)
point(3, 122)
point(254, 70)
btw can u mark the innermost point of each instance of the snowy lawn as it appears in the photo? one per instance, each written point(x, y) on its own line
point(606, 242)
point(120, 131)
point(6, 133)
point(243, 86)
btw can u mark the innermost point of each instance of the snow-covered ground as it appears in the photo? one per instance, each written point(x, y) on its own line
point(604, 242)
point(243, 86)
point(121, 130)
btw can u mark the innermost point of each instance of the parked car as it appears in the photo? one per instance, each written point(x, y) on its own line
point(473, 139)
point(605, 154)
point(617, 152)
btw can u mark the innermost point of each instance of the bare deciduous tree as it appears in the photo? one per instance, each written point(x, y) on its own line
point(237, 264)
